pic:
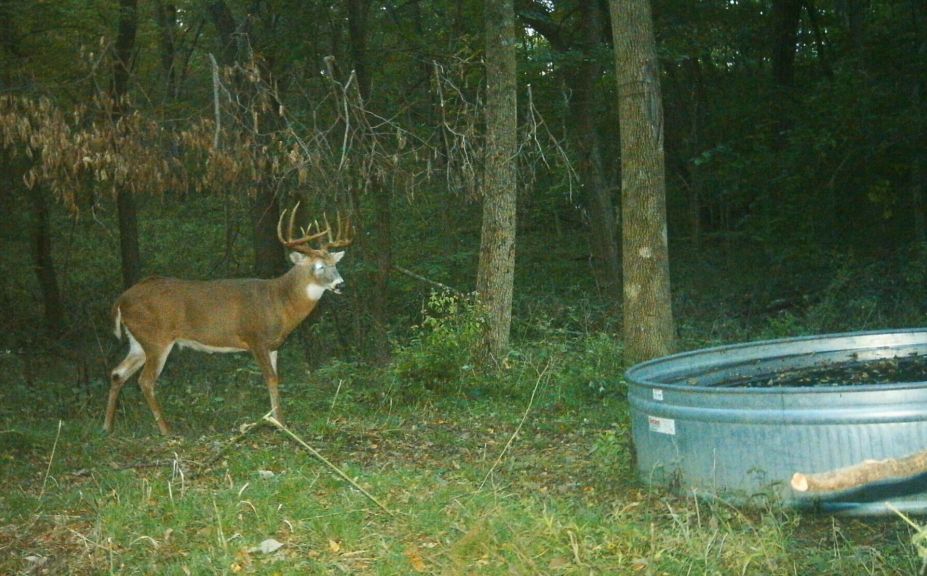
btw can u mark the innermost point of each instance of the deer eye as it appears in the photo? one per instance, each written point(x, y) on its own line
point(319, 266)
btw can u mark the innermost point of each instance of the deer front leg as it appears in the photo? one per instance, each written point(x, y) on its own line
point(267, 360)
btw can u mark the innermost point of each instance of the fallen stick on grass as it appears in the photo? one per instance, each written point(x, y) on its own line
point(51, 458)
point(517, 428)
point(861, 474)
point(276, 423)
point(244, 430)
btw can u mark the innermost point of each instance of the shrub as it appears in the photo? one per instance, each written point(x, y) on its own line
point(444, 346)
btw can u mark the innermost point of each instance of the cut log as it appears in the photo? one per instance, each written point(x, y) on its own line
point(862, 474)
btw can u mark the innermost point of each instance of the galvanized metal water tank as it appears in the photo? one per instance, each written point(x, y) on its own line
point(697, 431)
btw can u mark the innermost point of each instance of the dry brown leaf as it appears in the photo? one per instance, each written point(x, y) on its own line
point(415, 558)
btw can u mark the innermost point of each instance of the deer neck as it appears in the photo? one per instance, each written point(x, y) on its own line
point(299, 293)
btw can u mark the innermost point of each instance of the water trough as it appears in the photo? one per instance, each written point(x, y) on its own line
point(738, 421)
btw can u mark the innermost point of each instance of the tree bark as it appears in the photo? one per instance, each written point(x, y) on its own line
point(44, 264)
point(167, 27)
point(919, 11)
point(125, 199)
point(861, 474)
point(226, 27)
point(785, 18)
point(695, 79)
point(595, 183)
point(496, 272)
point(648, 317)
point(606, 256)
point(380, 249)
point(269, 258)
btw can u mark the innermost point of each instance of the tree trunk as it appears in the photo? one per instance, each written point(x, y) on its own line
point(127, 214)
point(226, 28)
point(648, 317)
point(235, 41)
point(694, 190)
point(603, 243)
point(384, 260)
point(918, 164)
point(380, 248)
point(269, 260)
point(44, 264)
point(855, 13)
point(496, 272)
point(125, 200)
point(167, 28)
point(785, 18)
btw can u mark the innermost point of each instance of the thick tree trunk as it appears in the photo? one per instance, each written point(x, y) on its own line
point(380, 249)
point(125, 200)
point(648, 317)
point(496, 273)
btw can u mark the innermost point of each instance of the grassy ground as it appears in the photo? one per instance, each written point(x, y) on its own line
point(467, 494)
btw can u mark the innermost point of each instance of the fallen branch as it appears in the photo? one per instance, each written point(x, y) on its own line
point(244, 430)
point(857, 475)
point(276, 423)
point(421, 278)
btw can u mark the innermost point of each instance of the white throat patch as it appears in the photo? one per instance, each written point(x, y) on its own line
point(314, 291)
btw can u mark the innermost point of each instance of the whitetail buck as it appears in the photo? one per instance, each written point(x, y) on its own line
point(235, 315)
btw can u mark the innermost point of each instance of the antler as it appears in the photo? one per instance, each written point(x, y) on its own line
point(344, 237)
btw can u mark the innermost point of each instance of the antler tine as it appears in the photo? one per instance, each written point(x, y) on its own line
point(289, 233)
point(289, 241)
point(328, 228)
point(280, 226)
point(345, 236)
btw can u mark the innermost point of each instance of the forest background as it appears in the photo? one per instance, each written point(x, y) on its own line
point(165, 137)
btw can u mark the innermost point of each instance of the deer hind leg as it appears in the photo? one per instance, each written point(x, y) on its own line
point(118, 377)
point(267, 359)
point(151, 371)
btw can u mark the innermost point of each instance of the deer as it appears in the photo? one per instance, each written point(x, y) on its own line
point(230, 315)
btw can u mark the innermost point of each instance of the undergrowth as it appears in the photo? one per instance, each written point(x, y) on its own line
point(534, 478)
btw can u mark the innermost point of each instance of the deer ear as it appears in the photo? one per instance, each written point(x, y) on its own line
point(297, 257)
point(337, 256)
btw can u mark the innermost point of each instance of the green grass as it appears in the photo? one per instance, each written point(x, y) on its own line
point(562, 499)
